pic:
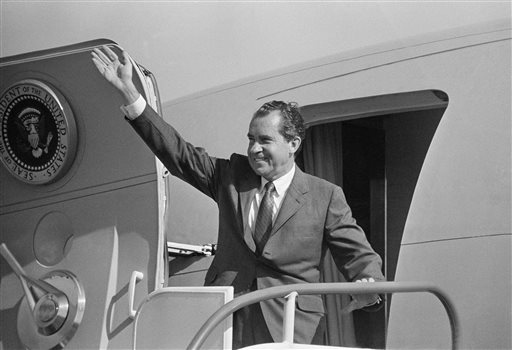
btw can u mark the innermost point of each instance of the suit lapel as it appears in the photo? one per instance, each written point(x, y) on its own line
point(293, 201)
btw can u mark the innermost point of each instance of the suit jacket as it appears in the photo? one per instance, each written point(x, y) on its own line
point(314, 216)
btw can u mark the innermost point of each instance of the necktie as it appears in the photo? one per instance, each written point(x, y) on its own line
point(264, 218)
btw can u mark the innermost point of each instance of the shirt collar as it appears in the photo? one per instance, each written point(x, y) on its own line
point(281, 184)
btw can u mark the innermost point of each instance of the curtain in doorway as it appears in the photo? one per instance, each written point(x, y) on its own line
point(323, 158)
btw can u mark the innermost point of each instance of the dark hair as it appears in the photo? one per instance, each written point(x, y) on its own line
point(292, 123)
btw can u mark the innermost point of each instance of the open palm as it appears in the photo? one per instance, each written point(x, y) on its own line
point(115, 71)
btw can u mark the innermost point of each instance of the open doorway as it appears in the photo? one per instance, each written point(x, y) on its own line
point(374, 149)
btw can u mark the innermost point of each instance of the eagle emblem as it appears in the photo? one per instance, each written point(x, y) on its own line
point(37, 132)
point(32, 134)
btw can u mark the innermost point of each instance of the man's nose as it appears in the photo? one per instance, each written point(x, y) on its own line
point(255, 148)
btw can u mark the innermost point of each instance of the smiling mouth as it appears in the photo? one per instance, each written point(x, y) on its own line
point(259, 160)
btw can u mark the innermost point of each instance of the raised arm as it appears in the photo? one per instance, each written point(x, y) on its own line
point(182, 159)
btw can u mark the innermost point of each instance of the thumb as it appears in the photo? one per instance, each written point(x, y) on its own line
point(353, 305)
point(125, 60)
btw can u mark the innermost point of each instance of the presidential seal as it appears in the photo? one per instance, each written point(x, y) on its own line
point(38, 132)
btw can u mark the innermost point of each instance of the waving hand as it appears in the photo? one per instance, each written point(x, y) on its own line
point(117, 72)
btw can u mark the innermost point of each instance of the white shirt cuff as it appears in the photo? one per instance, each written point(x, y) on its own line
point(135, 109)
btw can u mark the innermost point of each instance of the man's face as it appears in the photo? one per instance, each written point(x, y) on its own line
point(270, 155)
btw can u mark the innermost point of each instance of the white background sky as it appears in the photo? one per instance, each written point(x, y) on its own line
point(191, 46)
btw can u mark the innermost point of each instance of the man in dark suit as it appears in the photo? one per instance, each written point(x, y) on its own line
point(275, 222)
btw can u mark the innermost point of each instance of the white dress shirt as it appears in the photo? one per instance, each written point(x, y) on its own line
point(281, 187)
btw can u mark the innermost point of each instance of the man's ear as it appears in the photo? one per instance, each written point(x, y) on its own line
point(295, 144)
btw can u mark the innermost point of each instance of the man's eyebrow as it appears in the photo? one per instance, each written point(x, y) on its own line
point(261, 137)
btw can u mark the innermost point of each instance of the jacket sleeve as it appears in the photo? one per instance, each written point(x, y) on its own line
point(183, 160)
point(350, 249)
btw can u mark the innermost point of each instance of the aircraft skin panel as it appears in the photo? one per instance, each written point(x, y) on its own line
point(477, 126)
point(102, 253)
point(475, 273)
point(54, 52)
point(464, 188)
point(67, 196)
point(97, 286)
point(294, 77)
point(97, 124)
point(101, 220)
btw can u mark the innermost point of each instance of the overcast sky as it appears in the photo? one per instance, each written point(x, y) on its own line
point(191, 46)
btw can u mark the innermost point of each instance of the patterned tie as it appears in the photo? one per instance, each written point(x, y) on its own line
point(264, 219)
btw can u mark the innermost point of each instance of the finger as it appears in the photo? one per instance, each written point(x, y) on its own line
point(97, 58)
point(102, 57)
point(111, 54)
point(353, 305)
point(371, 279)
point(126, 58)
point(99, 64)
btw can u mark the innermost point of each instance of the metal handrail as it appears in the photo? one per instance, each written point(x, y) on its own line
point(327, 288)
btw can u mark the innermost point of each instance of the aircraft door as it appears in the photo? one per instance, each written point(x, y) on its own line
point(81, 207)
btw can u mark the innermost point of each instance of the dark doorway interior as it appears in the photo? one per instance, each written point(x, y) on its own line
point(364, 187)
point(382, 157)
